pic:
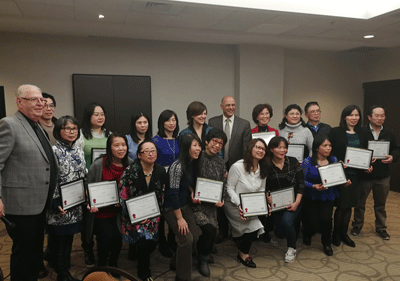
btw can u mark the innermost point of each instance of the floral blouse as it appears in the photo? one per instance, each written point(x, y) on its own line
point(133, 184)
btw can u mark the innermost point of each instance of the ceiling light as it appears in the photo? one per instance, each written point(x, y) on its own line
point(101, 16)
point(369, 36)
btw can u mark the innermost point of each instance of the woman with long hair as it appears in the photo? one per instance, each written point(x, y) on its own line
point(140, 131)
point(105, 222)
point(142, 177)
point(178, 211)
point(285, 172)
point(318, 201)
point(246, 175)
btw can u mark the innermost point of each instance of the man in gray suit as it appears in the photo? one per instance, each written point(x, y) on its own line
point(238, 132)
point(27, 181)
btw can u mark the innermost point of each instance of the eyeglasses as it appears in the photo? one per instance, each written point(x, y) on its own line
point(70, 129)
point(148, 152)
point(220, 143)
point(51, 105)
point(34, 100)
point(260, 148)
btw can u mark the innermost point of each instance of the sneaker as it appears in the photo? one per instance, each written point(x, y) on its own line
point(290, 255)
point(355, 231)
point(383, 234)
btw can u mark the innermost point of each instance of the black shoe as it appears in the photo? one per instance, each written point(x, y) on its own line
point(383, 234)
point(165, 251)
point(346, 240)
point(247, 262)
point(90, 261)
point(203, 265)
point(355, 231)
point(336, 240)
point(307, 240)
point(328, 250)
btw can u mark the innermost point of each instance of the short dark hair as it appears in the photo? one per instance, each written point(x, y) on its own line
point(60, 124)
point(371, 109)
point(275, 141)
point(87, 125)
point(260, 107)
point(194, 108)
point(248, 158)
point(138, 151)
point(310, 103)
point(318, 140)
point(287, 109)
point(184, 154)
point(164, 117)
point(217, 134)
point(109, 155)
point(346, 112)
point(133, 131)
point(48, 96)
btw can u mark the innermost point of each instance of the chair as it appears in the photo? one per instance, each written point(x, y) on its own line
point(101, 274)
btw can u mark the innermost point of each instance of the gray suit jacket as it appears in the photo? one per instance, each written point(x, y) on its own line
point(240, 137)
point(24, 167)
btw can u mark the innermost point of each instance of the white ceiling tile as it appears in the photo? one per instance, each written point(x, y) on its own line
point(148, 19)
point(110, 16)
point(46, 11)
point(104, 5)
point(234, 25)
point(292, 19)
point(308, 30)
point(252, 15)
point(267, 28)
point(393, 28)
point(9, 8)
point(170, 8)
point(49, 2)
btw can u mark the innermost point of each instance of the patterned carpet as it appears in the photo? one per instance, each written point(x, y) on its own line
point(372, 259)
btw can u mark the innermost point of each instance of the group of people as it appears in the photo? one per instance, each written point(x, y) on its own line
point(39, 153)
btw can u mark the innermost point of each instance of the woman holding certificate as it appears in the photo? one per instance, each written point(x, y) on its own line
point(140, 124)
point(349, 133)
point(211, 167)
point(246, 175)
point(318, 201)
point(178, 211)
point(285, 174)
point(295, 130)
point(142, 177)
point(63, 224)
point(262, 114)
point(104, 221)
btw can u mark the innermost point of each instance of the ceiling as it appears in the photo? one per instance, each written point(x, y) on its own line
point(179, 21)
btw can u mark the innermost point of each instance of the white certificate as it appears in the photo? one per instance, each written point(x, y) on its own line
point(266, 136)
point(103, 194)
point(332, 175)
point(296, 151)
point(358, 158)
point(72, 193)
point(282, 198)
point(143, 207)
point(380, 148)
point(208, 190)
point(254, 204)
point(97, 152)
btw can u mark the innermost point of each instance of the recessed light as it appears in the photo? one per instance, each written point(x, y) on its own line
point(101, 16)
point(369, 36)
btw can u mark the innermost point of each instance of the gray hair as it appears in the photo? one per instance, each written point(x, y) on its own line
point(21, 91)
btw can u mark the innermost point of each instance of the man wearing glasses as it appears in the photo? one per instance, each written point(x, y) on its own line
point(27, 181)
point(313, 114)
point(47, 119)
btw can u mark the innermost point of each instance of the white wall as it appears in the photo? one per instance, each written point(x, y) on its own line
point(382, 65)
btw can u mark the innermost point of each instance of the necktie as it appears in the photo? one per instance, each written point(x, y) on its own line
point(227, 130)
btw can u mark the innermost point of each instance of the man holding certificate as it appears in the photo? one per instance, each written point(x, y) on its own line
point(379, 180)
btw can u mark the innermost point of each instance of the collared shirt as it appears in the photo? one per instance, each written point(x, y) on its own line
point(232, 119)
point(376, 135)
point(315, 128)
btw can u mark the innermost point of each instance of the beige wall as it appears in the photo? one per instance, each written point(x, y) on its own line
point(382, 65)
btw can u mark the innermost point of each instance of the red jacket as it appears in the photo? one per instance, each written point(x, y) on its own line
point(255, 130)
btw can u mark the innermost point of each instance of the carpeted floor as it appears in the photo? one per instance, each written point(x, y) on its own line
point(372, 259)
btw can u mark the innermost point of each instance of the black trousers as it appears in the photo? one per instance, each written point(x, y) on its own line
point(318, 218)
point(62, 246)
point(206, 239)
point(27, 248)
point(246, 240)
point(144, 250)
point(109, 241)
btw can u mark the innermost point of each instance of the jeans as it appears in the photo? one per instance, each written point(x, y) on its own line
point(285, 225)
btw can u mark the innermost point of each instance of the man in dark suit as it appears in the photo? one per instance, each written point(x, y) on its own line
point(28, 178)
point(238, 132)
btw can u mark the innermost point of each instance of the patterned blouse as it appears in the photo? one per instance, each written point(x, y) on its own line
point(133, 184)
point(72, 166)
point(213, 168)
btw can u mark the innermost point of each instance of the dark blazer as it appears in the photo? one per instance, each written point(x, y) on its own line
point(25, 169)
point(240, 137)
point(338, 138)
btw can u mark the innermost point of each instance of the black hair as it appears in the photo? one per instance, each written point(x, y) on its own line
point(371, 109)
point(275, 142)
point(310, 103)
point(133, 132)
point(109, 155)
point(184, 154)
point(289, 108)
point(248, 158)
point(194, 108)
point(87, 125)
point(347, 112)
point(60, 124)
point(138, 151)
point(217, 134)
point(316, 144)
point(48, 96)
point(260, 107)
point(164, 117)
